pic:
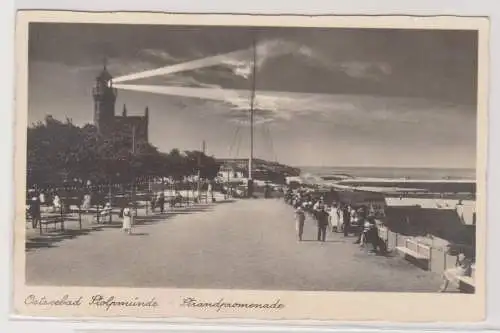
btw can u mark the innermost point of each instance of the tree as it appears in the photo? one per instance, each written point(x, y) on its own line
point(60, 151)
point(54, 151)
point(207, 165)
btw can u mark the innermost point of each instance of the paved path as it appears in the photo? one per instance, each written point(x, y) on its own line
point(248, 244)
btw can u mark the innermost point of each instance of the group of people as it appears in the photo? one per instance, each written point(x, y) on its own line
point(340, 216)
point(318, 212)
point(37, 199)
point(35, 202)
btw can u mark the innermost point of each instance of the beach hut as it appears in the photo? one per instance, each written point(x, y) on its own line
point(373, 200)
point(438, 226)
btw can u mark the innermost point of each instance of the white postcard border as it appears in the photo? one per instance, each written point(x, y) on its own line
point(344, 306)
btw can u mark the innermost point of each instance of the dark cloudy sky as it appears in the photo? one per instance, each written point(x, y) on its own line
point(347, 97)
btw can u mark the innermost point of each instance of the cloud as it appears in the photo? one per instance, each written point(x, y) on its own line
point(240, 62)
point(159, 54)
point(235, 69)
point(265, 50)
point(356, 69)
point(342, 110)
point(366, 70)
point(116, 66)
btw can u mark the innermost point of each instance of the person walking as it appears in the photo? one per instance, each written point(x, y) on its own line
point(161, 202)
point(322, 220)
point(210, 192)
point(300, 218)
point(35, 212)
point(346, 217)
point(128, 219)
point(153, 203)
point(334, 218)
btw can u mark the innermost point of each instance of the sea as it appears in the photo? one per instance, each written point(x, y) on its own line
point(392, 172)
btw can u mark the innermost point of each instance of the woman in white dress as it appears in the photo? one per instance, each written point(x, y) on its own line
point(42, 198)
point(86, 202)
point(128, 220)
point(56, 203)
point(334, 217)
point(210, 193)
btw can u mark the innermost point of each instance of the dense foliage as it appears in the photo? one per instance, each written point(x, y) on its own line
point(61, 151)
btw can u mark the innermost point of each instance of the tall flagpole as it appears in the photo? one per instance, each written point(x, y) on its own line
point(252, 105)
point(133, 175)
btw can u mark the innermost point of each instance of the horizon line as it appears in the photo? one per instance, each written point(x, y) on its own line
point(384, 166)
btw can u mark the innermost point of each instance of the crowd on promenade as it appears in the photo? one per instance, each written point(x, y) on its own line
point(341, 217)
point(358, 220)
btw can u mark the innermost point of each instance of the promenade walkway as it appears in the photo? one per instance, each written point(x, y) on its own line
point(247, 244)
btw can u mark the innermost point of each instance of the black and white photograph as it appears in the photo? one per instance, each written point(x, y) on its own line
point(251, 157)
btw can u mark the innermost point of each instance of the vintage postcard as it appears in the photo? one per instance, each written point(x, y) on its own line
point(250, 167)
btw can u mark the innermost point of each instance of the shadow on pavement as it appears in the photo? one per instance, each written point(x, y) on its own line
point(112, 225)
point(224, 201)
point(326, 241)
point(32, 245)
point(190, 209)
point(159, 217)
point(388, 254)
point(48, 239)
point(151, 219)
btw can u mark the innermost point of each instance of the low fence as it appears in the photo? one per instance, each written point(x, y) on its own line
point(122, 194)
point(440, 257)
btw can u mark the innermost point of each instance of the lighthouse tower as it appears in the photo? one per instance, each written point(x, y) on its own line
point(104, 102)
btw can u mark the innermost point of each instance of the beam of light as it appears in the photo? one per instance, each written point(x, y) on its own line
point(185, 66)
point(238, 98)
point(224, 95)
point(240, 60)
point(270, 105)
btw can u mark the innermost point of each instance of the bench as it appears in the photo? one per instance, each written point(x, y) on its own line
point(416, 250)
point(103, 214)
point(467, 284)
point(51, 219)
point(54, 218)
point(74, 214)
point(100, 214)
